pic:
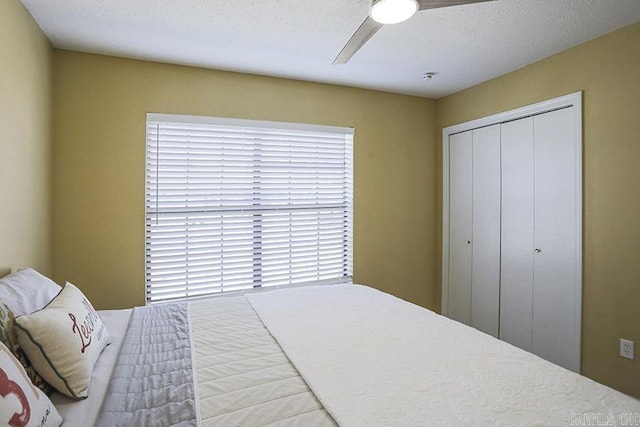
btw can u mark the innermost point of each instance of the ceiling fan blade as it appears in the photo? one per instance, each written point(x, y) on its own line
point(369, 27)
point(434, 4)
point(364, 32)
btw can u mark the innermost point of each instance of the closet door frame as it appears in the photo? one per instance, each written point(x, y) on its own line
point(572, 100)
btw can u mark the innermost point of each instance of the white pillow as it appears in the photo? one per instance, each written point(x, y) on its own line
point(63, 341)
point(26, 291)
point(22, 403)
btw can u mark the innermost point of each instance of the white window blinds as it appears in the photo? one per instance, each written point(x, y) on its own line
point(237, 204)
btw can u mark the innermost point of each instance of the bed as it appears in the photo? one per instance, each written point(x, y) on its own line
point(329, 355)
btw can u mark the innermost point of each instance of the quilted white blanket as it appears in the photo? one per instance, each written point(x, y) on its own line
point(375, 360)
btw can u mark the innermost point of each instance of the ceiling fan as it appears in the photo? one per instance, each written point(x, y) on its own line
point(384, 12)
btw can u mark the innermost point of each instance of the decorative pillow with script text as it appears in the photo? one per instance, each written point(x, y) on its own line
point(64, 340)
point(21, 403)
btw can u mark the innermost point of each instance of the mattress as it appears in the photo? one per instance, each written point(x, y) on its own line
point(352, 356)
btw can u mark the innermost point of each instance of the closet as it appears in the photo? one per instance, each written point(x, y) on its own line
point(512, 227)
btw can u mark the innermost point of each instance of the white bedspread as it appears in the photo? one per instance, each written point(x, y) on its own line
point(375, 360)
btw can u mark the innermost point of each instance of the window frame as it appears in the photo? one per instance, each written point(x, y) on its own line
point(256, 283)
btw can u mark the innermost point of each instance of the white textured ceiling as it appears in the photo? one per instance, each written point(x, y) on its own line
point(299, 39)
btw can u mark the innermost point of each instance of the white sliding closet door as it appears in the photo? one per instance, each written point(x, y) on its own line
point(539, 294)
point(474, 228)
point(460, 223)
point(556, 328)
point(485, 244)
point(512, 235)
point(516, 288)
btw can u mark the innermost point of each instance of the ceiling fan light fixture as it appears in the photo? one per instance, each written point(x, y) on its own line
point(392, 11)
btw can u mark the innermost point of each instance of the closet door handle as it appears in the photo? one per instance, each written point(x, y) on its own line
point(468, 242)
point(537, 250)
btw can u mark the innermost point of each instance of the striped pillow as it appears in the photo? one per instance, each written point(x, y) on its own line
point(9, 338)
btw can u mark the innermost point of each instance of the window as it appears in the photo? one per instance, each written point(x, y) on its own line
point(237, 204)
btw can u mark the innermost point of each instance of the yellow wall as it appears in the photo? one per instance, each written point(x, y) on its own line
point(608, 71)
point(99, 154)
point(25, 126)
